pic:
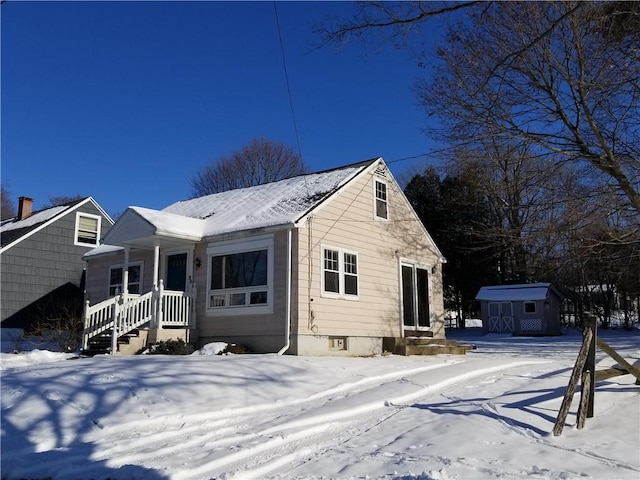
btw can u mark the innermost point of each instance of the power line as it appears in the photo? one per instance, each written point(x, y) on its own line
point(286, 76)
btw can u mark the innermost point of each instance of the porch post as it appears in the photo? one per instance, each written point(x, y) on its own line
point(125, 272)
point(156, 264)
point(160, 310)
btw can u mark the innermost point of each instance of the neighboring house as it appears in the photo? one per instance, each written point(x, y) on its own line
point(324, 263)
point(41, 258)
point(525, 309)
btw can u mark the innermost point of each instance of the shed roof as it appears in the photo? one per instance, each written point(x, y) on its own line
point(519, 292)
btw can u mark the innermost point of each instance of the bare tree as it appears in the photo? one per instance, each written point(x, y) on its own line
point(261, 161)
point(397, 20)
point(518, 72)
point(7, 205)
point(58, 200)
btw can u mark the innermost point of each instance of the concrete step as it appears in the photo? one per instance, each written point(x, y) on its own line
point(424, 346)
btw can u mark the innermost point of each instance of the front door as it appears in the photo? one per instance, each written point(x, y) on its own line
point(415, 297)
point(177, 272)
point(500, 317)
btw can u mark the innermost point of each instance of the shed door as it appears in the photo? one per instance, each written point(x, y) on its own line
point(500, 317)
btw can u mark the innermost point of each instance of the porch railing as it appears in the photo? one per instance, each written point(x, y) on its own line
point(121, 314)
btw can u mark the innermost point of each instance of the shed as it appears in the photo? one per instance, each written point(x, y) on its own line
point(523, 309)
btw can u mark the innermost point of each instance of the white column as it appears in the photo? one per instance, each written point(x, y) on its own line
point(156, 264)
point(125, 272)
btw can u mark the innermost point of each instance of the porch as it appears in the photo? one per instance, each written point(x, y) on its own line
point(162, 314)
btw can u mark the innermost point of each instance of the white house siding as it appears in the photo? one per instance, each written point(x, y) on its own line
point(347, 221)
point(260, 332)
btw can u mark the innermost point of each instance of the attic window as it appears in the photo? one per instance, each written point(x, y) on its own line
point(381, 200)
point(87, 229)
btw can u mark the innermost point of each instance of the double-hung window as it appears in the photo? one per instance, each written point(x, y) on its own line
point(135, 279)
point(339, 273)
point(87, 229)
point(241, 277)
point(382, 205)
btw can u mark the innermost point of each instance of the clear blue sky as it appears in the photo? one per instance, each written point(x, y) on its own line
point(125, 101)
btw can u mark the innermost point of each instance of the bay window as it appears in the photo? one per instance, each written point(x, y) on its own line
point(241, 277)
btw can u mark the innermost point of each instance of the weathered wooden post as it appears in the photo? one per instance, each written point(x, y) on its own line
point(590, 366)
point(573, 382)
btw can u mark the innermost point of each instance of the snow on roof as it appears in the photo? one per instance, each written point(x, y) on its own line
point(273, 204)
point(102, 250)
point(277, 203)
point(32, 220)
point(171, 224)
point(510, 293)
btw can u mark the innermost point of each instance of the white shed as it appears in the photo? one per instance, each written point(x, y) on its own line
point(523, 309)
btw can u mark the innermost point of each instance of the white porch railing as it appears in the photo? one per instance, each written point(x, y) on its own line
point(122, 314)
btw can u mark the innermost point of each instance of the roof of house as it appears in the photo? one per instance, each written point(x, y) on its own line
point(519, 292)
point(269, 205)
point(13, 230)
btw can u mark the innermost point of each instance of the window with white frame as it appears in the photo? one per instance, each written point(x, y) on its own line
point(241, 277)
point(382, 206)
point(339, 273)
point(135, 279)
point(529, 307)
point(87, 229)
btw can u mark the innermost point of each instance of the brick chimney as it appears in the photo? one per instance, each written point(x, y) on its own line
point(25, 206)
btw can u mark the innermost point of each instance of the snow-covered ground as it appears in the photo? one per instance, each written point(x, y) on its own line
point(484, 415)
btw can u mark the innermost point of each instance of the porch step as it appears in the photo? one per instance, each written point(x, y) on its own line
point(424, 346)
point(101, 344)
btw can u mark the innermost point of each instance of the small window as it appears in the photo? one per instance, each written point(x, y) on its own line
point(529, 307)
point(340, 273)
point(87, 229)
point(381, 200)
point(135, 279)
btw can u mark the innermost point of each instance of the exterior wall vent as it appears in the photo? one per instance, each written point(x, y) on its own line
point(337, 343)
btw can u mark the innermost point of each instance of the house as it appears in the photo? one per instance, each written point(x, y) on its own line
point(524, 309)
point(325, 263)
point(41, 258)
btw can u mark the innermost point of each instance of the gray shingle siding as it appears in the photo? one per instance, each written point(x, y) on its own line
point(42, 262)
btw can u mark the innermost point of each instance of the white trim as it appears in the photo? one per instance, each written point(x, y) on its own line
point(76, 231)
point(263, 242)
point(341, 273)
point(414, 264)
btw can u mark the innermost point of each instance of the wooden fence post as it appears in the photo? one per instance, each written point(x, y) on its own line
point(590, 366)
point(573, 381)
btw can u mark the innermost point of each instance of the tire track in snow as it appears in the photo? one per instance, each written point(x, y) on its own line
point(175, 421)
point(134, 443)
point(313, 426)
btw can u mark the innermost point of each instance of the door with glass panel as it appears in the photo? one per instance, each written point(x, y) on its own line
point(415, 297)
